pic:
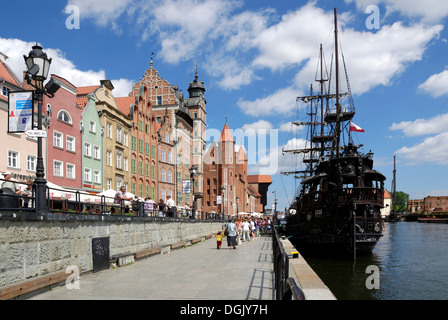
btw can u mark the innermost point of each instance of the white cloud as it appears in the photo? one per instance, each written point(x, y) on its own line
point(289, 127)
point(280, 102)
point(434, 125)
point(436, 85)
point(61, 66)
point(431, 150)
point(259, 125)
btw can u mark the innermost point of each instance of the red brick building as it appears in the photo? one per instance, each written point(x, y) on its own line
point(226, 167)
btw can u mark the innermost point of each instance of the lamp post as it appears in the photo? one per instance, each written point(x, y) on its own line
point(223, 189)
point(38, 65)
point(237, 207)
point(275, 202)
point(193, 171)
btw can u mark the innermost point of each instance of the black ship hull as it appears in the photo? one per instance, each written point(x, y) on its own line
point(335, 247)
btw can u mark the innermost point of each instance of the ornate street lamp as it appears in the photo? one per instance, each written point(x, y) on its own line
point(38, 65)
point(193, 171)
point(223, 189)
point(237, 207)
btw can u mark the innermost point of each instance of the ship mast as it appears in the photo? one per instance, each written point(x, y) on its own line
point(338, 106)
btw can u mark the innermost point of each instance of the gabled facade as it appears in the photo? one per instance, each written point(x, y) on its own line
point(143, 145)
point(92, 134)
point(180, 136)
point(225, 167)
point(116, 129)
point(64, 137)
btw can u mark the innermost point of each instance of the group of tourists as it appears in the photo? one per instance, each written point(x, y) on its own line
point(151, 207)
point(11, 185)
point(242, 230)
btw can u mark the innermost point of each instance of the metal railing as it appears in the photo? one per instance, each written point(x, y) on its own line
point(66, 201)
point(285, 287)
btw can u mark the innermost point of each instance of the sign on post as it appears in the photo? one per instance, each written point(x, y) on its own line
point(20, 111)
point(186, 186)
point(36, 133)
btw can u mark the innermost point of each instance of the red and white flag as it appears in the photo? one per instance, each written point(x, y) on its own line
point(356, 128)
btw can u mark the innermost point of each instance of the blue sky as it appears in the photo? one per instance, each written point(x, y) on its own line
point(256, 57)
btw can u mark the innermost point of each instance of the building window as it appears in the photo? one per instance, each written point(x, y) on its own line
point(119, 134)
point(167, 138)
point(133, 164)
point(57, 139)
point(58, 170)
point(125, 164)
point(96, 152)
point(31, 163)
point(13, 159)
point(109, 184)
point(92, 126)
point(70, 143)
point(125, 139)
point(87, 174)
point(70, 171)
point(140, 146)
point(108, 130)
point(170, 177)
point(64, 117)
point(87, 149)
point(96, 176)
point(159, 100)
point(119, 158)
point(163, 176)
point(108, 158)
point(134, 143)
point(140, 168)
point(170, 158)
point(163, 195)
point(163, 155)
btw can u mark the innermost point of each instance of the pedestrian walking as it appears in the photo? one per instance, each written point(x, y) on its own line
point(218, 240)
point(246, 229)
point(231, 237)
point(239, 228)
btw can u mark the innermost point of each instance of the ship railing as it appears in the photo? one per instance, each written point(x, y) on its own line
point(344, 196)
point(285, 287)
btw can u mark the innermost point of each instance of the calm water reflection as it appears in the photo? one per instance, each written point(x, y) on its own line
point(412, 259)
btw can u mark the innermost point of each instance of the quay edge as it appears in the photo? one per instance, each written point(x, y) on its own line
point(310, 283)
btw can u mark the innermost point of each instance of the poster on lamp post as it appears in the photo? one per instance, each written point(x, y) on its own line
point(186, 186)
point(20, 111)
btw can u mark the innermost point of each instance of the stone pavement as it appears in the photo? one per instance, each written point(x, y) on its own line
point(198, 272)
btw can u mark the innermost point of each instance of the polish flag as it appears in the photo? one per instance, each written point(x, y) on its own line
point(356, 128)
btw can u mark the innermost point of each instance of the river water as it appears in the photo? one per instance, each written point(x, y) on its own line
point(410, 262)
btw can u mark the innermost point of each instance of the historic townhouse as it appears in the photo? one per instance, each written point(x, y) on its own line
point(180, 131)
point(225, 175)
point(116, 130)
point(143, 145)
point(18, 153)
point(92, 143)
point(64, 136)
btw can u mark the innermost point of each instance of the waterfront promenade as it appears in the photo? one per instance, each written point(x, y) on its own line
point(197, 272)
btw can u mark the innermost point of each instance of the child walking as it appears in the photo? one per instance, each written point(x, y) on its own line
point(218, 240)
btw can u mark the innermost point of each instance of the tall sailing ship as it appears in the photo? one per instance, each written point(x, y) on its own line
point(336, 210)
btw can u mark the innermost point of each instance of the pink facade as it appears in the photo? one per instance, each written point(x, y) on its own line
point(64, 137)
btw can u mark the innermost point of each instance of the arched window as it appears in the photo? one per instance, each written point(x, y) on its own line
point(64, 116)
